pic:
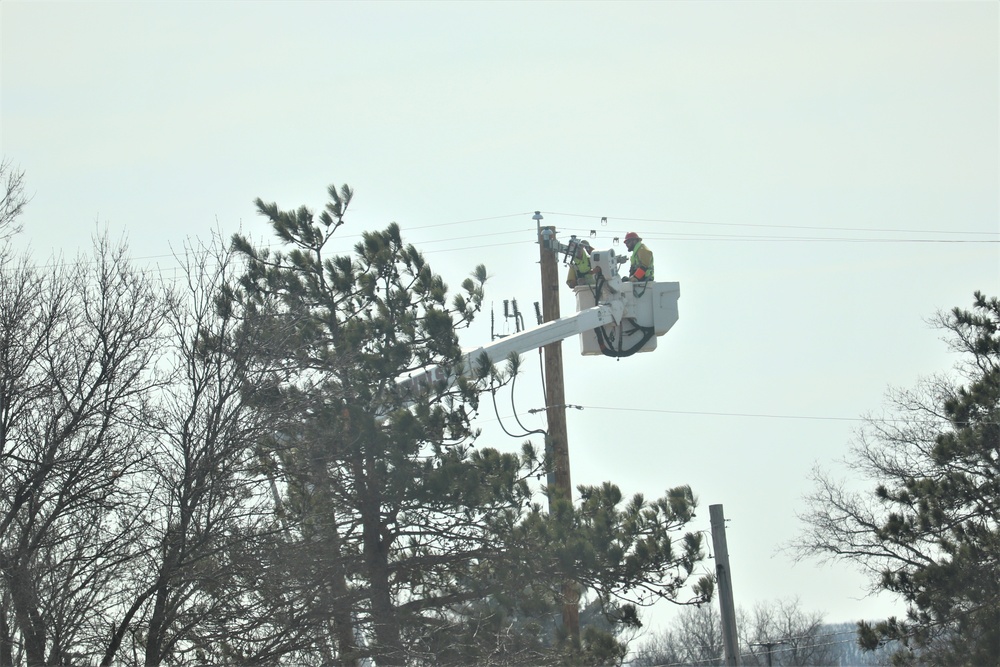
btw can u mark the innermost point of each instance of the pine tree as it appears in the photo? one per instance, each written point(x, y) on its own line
point(931, 536)
point(389, 485)
point(423, 548)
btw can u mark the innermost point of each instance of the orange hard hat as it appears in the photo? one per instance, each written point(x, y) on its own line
point(632, 236)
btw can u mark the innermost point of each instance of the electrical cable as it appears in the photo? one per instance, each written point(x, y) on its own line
point(740, 224)
point(603, 340)
point(702, 413)
point(761, 416)
point(672, 236)
point(463, 222)
point(496, 411)
point(518, 419)
point(541, 369)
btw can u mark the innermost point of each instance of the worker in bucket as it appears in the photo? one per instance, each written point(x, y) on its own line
point(641, 261)
point(580, 270)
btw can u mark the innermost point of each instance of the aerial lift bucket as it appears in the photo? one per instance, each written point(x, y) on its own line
point(650, 311)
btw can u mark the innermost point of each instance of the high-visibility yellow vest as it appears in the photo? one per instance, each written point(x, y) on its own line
point(580, 271)
point(637, 263)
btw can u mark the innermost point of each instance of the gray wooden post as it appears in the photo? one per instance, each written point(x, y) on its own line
point(724, 580)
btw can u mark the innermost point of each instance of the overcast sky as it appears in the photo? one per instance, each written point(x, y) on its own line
point(820, 178)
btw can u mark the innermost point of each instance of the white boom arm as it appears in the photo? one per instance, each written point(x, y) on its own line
point(529, 339)
point(616, 318)
point(550, 332)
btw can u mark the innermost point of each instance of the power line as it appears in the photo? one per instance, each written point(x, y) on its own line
point(673, 236)
point(701, 236)
point(703, 413)
point(769, 226)
point(724, 414)
point(742, 239)
point(462, 222)
point(480, 236)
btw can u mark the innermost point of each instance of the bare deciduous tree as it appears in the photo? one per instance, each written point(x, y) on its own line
point(781, 633)
point(12, 199)
point(210, 589)
point(776, 633)
point(77, 346)
point(136, 524)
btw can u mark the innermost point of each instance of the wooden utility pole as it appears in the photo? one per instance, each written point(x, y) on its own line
point(724, 579)
point(555, 404)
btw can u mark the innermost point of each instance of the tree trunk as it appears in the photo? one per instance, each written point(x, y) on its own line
point(388, 641)
point(154, 637)
point(6, 639)
point(343, 625)
point(159, 620)
point(336, 593)
point(26, 615)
